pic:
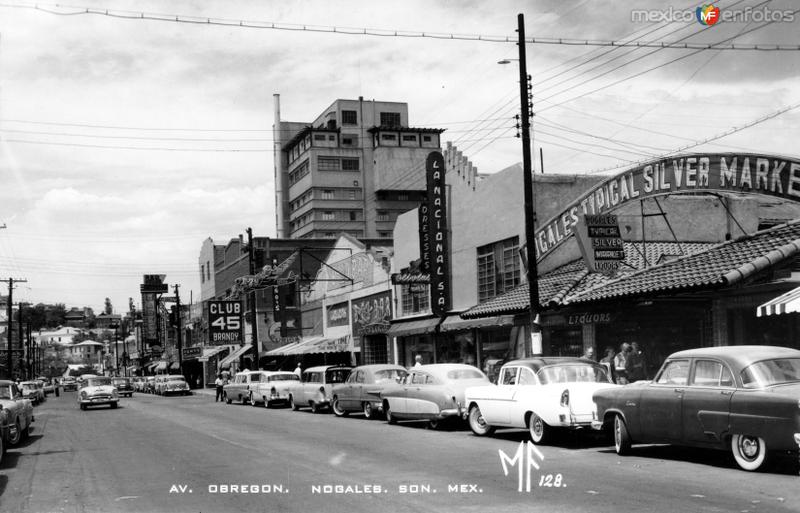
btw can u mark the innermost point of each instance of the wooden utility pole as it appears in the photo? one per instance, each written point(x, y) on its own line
point(10, 325)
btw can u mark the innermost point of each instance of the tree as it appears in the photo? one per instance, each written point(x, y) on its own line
point(108, 310)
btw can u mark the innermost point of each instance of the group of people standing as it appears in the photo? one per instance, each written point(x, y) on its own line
point(626, 366)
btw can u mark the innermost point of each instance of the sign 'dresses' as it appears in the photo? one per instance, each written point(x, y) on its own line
point(600, 242)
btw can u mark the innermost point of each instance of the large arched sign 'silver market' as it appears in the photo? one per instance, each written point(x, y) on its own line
point(725, 172)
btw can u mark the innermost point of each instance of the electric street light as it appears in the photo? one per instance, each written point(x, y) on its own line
point(530, 207)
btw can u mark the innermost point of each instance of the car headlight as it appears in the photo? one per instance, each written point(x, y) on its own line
point(83, 394)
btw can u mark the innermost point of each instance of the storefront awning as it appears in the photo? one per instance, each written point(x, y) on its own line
point(785, 303)
point(235, 355)
point(316, 344)
point(208, 352)
point(456, 323)
point(410, 327)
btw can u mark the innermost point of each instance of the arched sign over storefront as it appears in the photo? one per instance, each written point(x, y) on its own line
point(719, 172)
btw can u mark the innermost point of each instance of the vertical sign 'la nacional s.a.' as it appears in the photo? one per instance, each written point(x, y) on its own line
point(437, 234)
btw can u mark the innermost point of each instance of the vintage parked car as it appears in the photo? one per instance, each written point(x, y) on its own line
point(69, 384)
point(97, 390)
point(315, 387)
point(150, 384)
point(172, 384)
point(743, 398)
point(19, 412)
point(47, 385)
point(138, 383)
point(538, 394)
point(362, 389)
point(431, 392)
point(33, 390)
point(123, 385)
point(272, 388)
point(238, 389)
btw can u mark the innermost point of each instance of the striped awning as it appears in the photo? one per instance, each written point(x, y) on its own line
point(235, 355)
point(785, 303)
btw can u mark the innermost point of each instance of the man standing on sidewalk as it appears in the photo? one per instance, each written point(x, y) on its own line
point(218, 384)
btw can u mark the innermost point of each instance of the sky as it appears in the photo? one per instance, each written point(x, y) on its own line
point(125, 142)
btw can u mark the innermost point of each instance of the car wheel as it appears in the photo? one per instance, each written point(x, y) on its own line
point(434, 424)
point(750, 452)
point(477, 424)
point(622, 440)
point(540, 431)
point(369, 412)
point(292, 404)
point(337, 408)
point(227, 399)
point(391, 419)
point(14, 433)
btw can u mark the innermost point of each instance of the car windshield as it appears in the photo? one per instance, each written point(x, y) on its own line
point(119, 381)
point(283, 377)
point(389, 375)
point(96, 382)
point(5, 392)
point(465, 374)
point(771, 372)
point(572, 373)
point(336, 375)
point(176, 378)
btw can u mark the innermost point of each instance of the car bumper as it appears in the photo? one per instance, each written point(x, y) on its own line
point(98, 400)
point(278, 398)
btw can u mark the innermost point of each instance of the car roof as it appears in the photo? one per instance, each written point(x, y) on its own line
point(538, 362)
point(322, 368)
point(374, 367)
point(741, 355)
point(441, 369)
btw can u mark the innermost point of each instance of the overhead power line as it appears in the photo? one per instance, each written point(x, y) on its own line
point(65, 10)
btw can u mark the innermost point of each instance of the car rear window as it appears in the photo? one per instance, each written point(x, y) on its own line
point(283, 377)
point(573, 373)
point(771, 372)
point(336, 375)
point(389, 375)
point(465, 374)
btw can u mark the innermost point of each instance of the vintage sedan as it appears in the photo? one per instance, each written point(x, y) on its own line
point(96, 391)
point(33, 390)
point(538, 394)
point(123, 385)
point(239, 387)
point(69, 384)
point(362, 390)
point(742, 398)
point(149, 384)
point(431, 392)
point(315, 389)
point(19, 412)
point(173, 384)
point(272, 388)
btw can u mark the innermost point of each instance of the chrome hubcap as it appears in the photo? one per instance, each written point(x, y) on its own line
point(749, 447)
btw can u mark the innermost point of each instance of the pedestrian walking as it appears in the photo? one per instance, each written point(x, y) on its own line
point(218, 383)
point(619, 364)
point(635, 365)
point(298, 371)
point(418, 361)
point(608, 362)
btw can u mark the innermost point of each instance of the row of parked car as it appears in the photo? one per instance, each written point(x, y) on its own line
point(16, 415)
point(745, 399)
point(165, 384)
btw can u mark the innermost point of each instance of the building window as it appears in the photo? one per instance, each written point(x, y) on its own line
point(353, 215)
point(388, 137)
point(390, 119)
point(327, 216)
point(426, 138)
point(328, 164)
point(498, 268)
point(202, 273)
point(385, 235)
point(351, 194)
point(349, 140)
point(327, 194)
point(349, 117)
point(331, 137)
point(298, 173)
point(208, 270)
point(319, 137)
point(410, 138)
point(402, 197)
point(415, 298)
point(382, 215)
point(349, 164)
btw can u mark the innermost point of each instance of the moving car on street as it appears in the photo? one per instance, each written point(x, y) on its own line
point(19, 412)
point(96, 391)
point(33, 390)
point(431, 392)
point(538, 394)
point(272, 388)
point(742, 398)
point(316, 386)
point(362, 389)
point(69, 384)
point(123, 385)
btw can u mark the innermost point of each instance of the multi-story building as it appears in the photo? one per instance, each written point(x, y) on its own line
point(352, 170)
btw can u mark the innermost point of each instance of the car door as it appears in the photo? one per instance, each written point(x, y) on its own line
point(348, 391)
point(661, 403)
point(707, 402)
point(495, 409)
point(398, 399)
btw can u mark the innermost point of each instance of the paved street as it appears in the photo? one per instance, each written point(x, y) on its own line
point(186, 454)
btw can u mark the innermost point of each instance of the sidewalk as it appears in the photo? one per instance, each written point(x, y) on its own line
point(205, 391)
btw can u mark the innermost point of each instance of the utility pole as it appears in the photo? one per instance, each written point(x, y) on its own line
point(530, 207)
point(10, 325)
point(22, 369)
point(179, 335)
point(253, 299)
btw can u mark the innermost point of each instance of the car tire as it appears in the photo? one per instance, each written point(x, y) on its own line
point(292, 404)
point(15, 434)
point(369, 411)
point(435, 424)
point(539, 430)
point(337, 408)
point(477, 424)
point(750, 452)
point(622, 439)
point(227, 399)
point(390, 418)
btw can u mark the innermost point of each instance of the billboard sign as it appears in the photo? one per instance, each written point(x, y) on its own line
point(438, 233)
point(600, 242)
point(225, 322)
